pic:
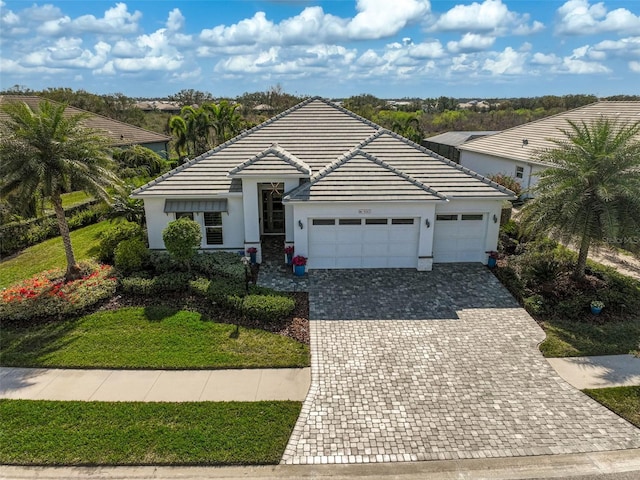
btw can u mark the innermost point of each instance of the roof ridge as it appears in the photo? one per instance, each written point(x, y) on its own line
point(279, 152)
point(448, 162)
point(349, 112)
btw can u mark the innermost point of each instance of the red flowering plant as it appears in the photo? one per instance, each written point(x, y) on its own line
point(48, 295)
point(288, 249)
point(299, 260)
point(252, 250)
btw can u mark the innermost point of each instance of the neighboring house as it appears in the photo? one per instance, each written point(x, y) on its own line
point(344, 191)
point(121, 134)
point(513, 152)
point(448, 144)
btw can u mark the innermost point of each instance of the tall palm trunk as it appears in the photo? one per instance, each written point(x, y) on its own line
point(73, 270)
point(584, 250)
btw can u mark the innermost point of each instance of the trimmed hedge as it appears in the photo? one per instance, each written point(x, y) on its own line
point(15, 236)
point(112, 237)
point(268, 308)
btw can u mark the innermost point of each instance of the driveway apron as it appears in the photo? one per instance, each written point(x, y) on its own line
point(436, 365)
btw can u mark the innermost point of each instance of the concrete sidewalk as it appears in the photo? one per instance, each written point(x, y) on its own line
point(598, 371)
point(246, 385)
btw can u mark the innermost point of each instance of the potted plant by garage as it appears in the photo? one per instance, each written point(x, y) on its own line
point(492, 261)
point(299, 263)
point(288, 251)
point(252, 251)
point(596, 307)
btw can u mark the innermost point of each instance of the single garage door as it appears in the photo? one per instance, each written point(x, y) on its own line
point(459, 237)
point(363, 243)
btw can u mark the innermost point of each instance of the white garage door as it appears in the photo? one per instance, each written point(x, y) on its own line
point(459, 237)
point(363, 243)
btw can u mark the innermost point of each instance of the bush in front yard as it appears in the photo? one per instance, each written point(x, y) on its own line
point(267, 308)
point(131, 255)
point(112, 237)
point(182, 238)
point(48, 295)
point(165, 283)
point(226, 293)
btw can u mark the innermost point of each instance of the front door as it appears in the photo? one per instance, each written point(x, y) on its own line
point(272, 209)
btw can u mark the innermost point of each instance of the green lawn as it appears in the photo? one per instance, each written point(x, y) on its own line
point(135, 433)
point(575, 339)
point(147, 337)
point(50, 254)
point(625, 401)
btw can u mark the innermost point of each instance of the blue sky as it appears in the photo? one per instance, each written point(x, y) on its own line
point(389, 48)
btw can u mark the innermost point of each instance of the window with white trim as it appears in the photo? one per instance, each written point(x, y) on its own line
point(519, 172)
point(213, 228)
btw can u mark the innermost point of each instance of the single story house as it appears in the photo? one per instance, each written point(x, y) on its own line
point(513, 152)
point(119, 133)
point(345, 192)
point(448, 144)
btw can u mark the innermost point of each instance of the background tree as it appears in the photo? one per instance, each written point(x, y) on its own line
point(225, 121)
point(594, 191)
point(44, 152)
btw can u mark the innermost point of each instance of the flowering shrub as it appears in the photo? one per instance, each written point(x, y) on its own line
point(48, 295)
point(299, 260)
point(252, 250)
point(288, 250)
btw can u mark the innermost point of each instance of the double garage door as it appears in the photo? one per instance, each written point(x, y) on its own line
point(363, 243)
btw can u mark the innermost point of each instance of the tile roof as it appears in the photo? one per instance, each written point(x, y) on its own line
point(274, 160)
point(458, 137)
point(318, 134)
point(524, 141)
point(120, 133)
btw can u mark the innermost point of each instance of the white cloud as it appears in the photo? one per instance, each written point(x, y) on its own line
point(176, 20)
point(579, 17)
point(488, 16)
point(542, 59)
point(471, 42)
point(624, 48)
point(68, 52)
point(634, 66)
point(507, 62)
point(430, 49)
point(116, 20)
point(375, 19)
point(383, 18)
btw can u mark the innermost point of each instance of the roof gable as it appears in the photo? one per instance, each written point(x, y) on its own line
point(274, 160)
point(360, 176)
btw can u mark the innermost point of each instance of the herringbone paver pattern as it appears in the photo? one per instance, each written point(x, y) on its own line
point(449, 369)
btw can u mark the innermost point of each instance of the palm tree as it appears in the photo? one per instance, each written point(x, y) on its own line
point(593, 191)
point(45, 152)
point(178, 128)
point(224, 119)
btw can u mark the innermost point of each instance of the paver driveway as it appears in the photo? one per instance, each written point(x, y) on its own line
point(413, 365)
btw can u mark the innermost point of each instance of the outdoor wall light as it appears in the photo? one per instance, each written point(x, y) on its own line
point(495, 218)
point(300, 224)
point(427, 223)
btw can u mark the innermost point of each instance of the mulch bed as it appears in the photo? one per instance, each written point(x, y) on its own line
point(295, 327)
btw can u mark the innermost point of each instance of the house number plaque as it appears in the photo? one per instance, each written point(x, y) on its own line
point(364, 211)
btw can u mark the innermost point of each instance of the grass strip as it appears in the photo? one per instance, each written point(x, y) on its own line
point(131, 433)
point(147, 337)
point(575, 339)
point(625, 401)
point(50, 254)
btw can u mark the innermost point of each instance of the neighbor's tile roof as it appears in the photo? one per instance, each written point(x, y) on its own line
point(120, 133)
point(510, 143)
point(457, 138)
point(319, 134)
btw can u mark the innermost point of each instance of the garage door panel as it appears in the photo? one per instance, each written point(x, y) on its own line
point(459, 240)
point(348, 249)
point(377, 249)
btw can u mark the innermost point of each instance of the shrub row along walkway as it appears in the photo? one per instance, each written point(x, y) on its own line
point(248, 385)
point(436, 365)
